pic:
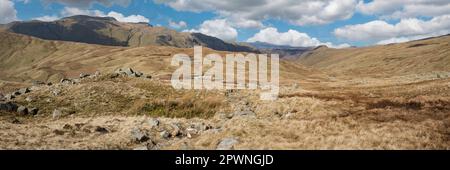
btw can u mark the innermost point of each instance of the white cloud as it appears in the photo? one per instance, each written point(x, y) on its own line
point(7, 11)
point(88, 3)
point(70, 11)
point(177, 25)
point(405, 9)
point(250, 13)
point(219, 28)
point(291, 38)
point(47, 18)
point(131, 18)
point(381, 30)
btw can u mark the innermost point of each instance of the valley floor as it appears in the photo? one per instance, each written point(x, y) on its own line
point(105, 112)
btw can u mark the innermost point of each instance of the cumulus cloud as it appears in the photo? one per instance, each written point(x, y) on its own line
point(70, 11)
point(219, 28)
point(131, 18)
point(291, 38)
point(47, 18)
point(7, 11)
point(177, 25)
point(398, 9)
point(88, 3)
point(250, 13)
point(379, 30)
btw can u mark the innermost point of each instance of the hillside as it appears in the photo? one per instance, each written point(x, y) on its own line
point(413, 57)
point(109, 31)
point(26, 58)
point(314, 110)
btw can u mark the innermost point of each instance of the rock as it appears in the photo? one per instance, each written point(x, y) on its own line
point(83, 75)
point(67, 127)
point(101, 129)
point(128, 71)
point(176, 130)
point(8, 106)
point(16, 93)
point(153, 123)
point(227, 144)
point(138, 135)
point(2, 97)
point(56, 92)
point(147, 76)
point(9, 97)
point(57, 114)
point(164, 134)
point(114, 75)
point(22, 110)
point(24, 90)
point(29, 99)
point(138, 74)
point(66, 81)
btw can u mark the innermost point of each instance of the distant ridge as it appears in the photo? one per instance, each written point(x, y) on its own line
point(109, 31)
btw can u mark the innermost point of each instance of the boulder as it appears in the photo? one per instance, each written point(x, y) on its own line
point(83, 75)
point(8, 106)
point(164, 134)
point(65, 81)
point(29, 99)
point(227, 144)
point(153, 123)
point(100, 129)
point(139, 135)
point(128, 71)
point(24, 90)
point(22, 110)
point(33, 111)
point(9, 97)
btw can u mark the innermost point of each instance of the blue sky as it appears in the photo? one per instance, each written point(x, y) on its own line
point(336, 23)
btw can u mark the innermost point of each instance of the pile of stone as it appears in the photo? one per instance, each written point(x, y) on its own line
point(19, 92)
point(130, 73)
point(22, 110)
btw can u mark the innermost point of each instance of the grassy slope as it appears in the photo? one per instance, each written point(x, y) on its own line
point(394, 59)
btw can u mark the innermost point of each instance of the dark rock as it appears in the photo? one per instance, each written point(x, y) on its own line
point(83, 75)
point(101, 129)
point(33, 111)
point(8, 106)
point(58, 132)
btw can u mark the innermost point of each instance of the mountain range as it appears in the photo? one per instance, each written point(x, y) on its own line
point(109, 31)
